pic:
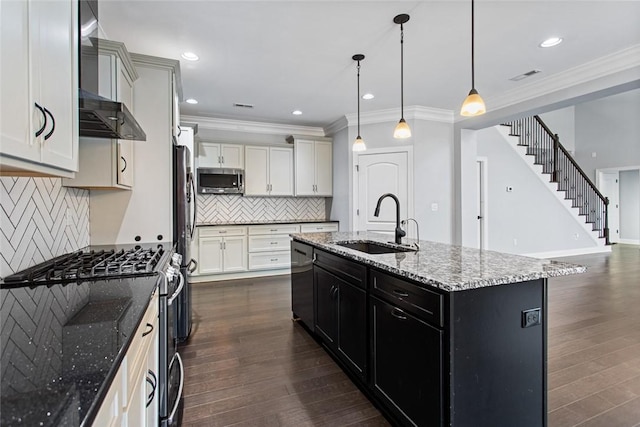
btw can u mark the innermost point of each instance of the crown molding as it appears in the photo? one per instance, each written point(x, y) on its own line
point(413, 112)
point(118, 49)
point(622, 60)
point(253, 127)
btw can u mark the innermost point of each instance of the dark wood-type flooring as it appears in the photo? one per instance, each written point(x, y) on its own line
point(248, 364)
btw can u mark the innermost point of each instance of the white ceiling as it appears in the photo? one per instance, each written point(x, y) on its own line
point(287, 55)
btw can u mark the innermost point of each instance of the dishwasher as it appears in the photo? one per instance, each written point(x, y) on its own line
point(302, 284)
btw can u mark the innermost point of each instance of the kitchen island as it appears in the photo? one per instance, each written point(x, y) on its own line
point(445, 335)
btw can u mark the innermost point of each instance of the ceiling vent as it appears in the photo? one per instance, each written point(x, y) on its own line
point(525, 75)
point(241, 105)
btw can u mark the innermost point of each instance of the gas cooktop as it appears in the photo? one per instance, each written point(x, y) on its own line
point(94, 263)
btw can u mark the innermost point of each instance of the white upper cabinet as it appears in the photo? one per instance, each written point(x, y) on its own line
point(269, 171)
point(313, 167)
point(215, 155)
point(109, 163)
point(39, 96)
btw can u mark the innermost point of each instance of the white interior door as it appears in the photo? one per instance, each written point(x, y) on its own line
point(609, 186)
point(379, 174)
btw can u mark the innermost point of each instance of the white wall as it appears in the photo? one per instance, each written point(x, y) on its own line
point(562, 123)
point(432, 142)
point(610, 128)
point(340, 203)
point(630, 205)
point(530, 219)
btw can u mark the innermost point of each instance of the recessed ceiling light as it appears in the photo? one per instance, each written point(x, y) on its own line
point(296, 112)
point(551, 41)
point(190, 56)
point(191, 101)
point(368, 96)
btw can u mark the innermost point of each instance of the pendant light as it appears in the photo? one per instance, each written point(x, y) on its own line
point(402, 128)
point(473, 105)
point(358, 144)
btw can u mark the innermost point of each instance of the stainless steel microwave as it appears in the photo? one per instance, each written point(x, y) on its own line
point(220, 181)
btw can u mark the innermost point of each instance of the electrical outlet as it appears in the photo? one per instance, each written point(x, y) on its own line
point(531, 317)
point(434, 207)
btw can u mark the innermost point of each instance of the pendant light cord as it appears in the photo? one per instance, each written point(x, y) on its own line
point(401, 71)
point(358, 99)
point(473, 73)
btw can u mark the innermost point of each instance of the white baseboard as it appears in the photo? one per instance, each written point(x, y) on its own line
point(629, 241)
point(570, 252)
point(241, 275)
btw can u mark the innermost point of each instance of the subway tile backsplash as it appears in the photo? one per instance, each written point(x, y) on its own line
point(40, 219)
point(215, 209)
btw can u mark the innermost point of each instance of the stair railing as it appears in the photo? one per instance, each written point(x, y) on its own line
point(545, 146)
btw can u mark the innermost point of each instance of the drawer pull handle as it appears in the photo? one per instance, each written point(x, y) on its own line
point(400, 293)
point(222, 232)
point(149, 330)
point(274, 259)
point(398, 314)
point(153, 381)
point(273, 243)
point(300, 252)
point(274, 229)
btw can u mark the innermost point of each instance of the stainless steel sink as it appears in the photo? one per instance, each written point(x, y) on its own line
point(374, 247)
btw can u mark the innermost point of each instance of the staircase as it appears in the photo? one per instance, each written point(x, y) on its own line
point(556, 161)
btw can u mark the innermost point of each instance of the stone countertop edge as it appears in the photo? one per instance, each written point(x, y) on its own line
point(287, 221)
point(446, 267)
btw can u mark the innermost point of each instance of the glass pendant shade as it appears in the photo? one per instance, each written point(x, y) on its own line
point(402, 130)
point(473, 105)
point(358, 144)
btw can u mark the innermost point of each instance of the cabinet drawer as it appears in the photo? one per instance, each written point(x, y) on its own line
point(269, 243)
point(350, 271)
point(424, 303)
point(256, 230)
point(268, 261)
point(319, 228)
point(221, 231)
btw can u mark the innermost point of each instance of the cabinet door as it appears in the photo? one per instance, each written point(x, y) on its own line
point(208, 155)
point(16, 108)
point(136, 411)
point(407, 364)
point(256, 173)
point(281, 171)
point(210, 255)
point(305, 179)
point(232, 156)
point(323, 167)
point(152, 387)
point(124, 163)
point(352, 337)
point(326, 295)
point(55, 83)
point(235, 254)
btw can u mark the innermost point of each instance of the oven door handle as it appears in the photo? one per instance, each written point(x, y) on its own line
point(177, 292)
point(179, 396)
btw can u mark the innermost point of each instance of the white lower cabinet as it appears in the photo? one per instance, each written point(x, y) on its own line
point(222, 250)
point(319, 227)
point(129, 398)
point(269, 246)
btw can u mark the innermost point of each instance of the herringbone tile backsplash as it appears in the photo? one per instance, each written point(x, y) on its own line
point(213, 209)
point(40, 219)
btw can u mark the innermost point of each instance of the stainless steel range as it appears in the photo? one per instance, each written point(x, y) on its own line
point(110, 264)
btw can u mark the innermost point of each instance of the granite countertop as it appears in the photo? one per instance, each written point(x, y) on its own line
point(271, 221)
point(447, 267)
point(62, 345)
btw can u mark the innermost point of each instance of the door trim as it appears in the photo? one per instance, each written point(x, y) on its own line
point(484, 211)
point(355, 160)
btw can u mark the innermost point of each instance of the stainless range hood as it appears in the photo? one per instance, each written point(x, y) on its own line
point(102, 118)
point(99, 117)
